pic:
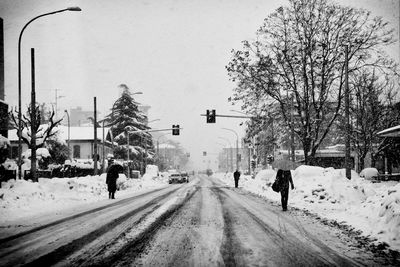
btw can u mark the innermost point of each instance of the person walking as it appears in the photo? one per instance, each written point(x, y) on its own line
point(111, 180)
point(284, 177)
point(236, 176)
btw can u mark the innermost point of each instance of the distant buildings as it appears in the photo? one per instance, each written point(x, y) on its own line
point(81, 142)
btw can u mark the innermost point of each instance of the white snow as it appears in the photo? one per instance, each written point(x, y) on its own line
point(40, 153)
point(373, 208)
point(21, 199)
point(4, 142)
point(369, 173)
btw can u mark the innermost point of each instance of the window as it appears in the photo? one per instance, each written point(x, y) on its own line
point(77, 151)
point(14, 152)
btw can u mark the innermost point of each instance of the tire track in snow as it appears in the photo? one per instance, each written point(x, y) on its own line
point(63, 251)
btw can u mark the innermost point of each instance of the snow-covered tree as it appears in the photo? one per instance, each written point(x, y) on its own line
point(299, 54)
point(126, 116)
point(43, 129)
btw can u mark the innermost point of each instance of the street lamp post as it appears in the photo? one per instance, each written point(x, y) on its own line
point(19, 81)
point(145, 147)
point(158, 148)
point(69, 135)
point(237, 146)
point(127, 145)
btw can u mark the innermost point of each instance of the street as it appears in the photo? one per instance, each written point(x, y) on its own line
point(202, 223)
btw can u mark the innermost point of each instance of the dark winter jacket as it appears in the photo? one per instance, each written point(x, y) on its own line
point(111, 180)
point(236, 175)
point(284, 177)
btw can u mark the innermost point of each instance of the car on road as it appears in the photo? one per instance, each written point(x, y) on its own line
point(185, 177)
point(174, 178)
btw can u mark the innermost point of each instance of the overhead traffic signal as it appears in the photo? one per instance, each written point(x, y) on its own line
point(175, 129)
point(211, 116)
point(253, 164)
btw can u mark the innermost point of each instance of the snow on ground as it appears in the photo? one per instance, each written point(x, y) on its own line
point(373, 208)
point(21, 199)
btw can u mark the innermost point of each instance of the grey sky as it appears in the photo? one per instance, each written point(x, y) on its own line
point(174, 51)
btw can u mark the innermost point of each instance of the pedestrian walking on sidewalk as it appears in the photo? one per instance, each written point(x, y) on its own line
point(284, 177)
point(236, 176)
point(111, 180)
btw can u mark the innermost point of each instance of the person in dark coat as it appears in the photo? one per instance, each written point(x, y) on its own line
point(236, 176)
point(284, 177)
point(111, 180)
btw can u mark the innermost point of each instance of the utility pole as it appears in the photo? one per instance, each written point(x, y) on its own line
point(56, 101)
point(33, 119)
point(347, 162)
point(127, 144)
point(292, 129)
point(95, 139)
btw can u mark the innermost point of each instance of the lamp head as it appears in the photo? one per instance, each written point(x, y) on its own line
point(74, 8)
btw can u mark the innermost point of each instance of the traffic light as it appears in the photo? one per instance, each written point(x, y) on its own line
point(253, 164)
point(211, 116)
point(175, 129)
point(204, 153)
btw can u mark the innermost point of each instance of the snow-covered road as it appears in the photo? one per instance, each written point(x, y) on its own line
point(202, 223)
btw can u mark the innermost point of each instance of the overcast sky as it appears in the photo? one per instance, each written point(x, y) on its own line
point(174, 51)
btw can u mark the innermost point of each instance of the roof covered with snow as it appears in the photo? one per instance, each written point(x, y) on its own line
point(76, 133)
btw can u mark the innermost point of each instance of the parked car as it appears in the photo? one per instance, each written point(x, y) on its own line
point(174, 178)
point(185, 177)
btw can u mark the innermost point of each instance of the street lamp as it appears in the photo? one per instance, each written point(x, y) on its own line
point(145, 147)
point(69, 136)
point(158, 148)
point(19, 80)
point(237, 146)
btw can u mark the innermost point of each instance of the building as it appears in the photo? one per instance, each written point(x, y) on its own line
point(81, 142)
point(387, 164)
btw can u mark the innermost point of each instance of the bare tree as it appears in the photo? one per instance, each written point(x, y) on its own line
point(369, 110)
point(299, 53)
point(43, 131)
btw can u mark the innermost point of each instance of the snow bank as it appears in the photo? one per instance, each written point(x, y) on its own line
point(20, 198)
point(4, 142)
point(369, 173)
point(373, 208)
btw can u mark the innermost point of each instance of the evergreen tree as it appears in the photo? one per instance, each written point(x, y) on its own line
point(126, 116)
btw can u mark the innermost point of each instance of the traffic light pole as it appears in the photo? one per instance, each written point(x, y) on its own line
point(156, 130)
point(232, 116)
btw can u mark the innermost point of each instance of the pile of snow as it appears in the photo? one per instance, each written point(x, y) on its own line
point(20, 198)
point(152, 171)
point(266, 175)
point(369, 173)
point(373, 208)
point(10, 164)
point(41, 152)
point(4, 142)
